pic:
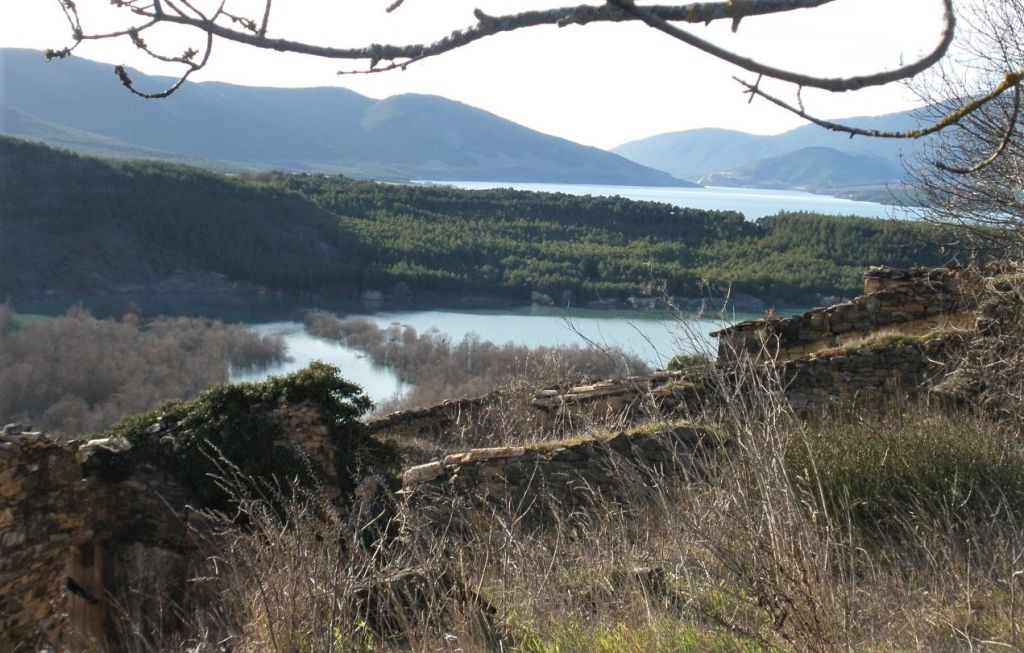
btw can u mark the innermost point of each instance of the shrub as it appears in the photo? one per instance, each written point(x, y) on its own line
point(235, 423)
point(690, 362)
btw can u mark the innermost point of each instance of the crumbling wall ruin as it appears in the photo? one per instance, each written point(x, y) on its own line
point(911, 301)
point(82, 545)
point(534, 481)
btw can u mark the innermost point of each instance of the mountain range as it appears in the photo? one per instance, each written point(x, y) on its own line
point(79, 104)
point(806, 158)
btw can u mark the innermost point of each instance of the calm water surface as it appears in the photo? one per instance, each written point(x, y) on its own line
point(753, 203)
point(654, 337)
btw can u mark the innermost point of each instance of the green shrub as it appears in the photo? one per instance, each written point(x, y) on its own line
point(235, 422)
point(689, 362)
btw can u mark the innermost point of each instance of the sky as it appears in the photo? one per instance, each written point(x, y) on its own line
point(600, 85)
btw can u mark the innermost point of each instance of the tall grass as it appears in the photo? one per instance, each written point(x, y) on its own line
point(892, 531)
point(895, 532)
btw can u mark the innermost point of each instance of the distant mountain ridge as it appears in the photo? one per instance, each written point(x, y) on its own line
point(806, 158)
point(78, 104)
point(810, 168)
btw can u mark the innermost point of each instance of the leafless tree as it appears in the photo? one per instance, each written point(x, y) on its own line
point(969, 176)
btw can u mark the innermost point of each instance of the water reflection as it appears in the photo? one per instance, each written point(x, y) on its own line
point(378, 382)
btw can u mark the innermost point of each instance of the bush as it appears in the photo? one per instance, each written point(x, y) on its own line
point(235, 423)
point(690, 362)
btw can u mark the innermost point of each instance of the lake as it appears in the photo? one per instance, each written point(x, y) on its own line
point(753, 203)
point(653, 336)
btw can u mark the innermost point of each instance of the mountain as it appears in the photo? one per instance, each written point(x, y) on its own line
point(805, 158)
point(810, 167)
point(79, 104)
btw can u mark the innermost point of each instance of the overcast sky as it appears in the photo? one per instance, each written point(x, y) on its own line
point(599, 84)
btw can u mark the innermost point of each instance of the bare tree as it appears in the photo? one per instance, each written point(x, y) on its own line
point(969, 176)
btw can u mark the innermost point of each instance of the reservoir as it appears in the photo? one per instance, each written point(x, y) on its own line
point(652, 336)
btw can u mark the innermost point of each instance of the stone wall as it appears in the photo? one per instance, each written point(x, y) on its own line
point(430, 422)
point(80, 547)
point(76, 550)
point(534, 480)
point(884, 368)
point(864, 377)
point(41, 522)
point(910, 301)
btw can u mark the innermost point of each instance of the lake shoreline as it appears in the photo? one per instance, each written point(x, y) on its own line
point(249, 306)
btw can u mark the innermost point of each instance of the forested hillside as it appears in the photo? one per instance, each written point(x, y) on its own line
point(73, 224)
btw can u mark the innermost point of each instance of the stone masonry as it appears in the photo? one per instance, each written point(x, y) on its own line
point(79, 550)
point(534, 480)
point(912, 301)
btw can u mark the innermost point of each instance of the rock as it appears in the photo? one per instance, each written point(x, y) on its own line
point(422, 474)
point(476, 455)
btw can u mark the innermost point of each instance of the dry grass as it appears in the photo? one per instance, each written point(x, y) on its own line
point(899, 531)
point(769, 552)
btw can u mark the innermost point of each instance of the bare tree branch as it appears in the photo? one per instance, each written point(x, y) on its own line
point(834, 84)
point(1011, 128)
point(1011, 81)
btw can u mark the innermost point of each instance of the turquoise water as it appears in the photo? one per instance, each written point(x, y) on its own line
point(378, 382)
point(654, 337)
point(753, 203)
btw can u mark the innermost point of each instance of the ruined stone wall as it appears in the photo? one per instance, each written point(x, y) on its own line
point(41, 521)
point(430, 422)
point(76, 551)
point(867, 377)
point(560, 476)
point(910, 301)
point(881, 370)
point(80, 548)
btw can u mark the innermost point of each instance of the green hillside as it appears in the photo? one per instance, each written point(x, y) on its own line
point(78, 224)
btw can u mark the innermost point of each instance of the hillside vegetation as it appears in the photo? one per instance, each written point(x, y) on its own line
point(74, 224)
